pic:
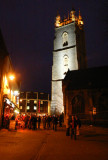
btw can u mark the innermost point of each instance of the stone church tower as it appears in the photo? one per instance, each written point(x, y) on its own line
point(68, 54)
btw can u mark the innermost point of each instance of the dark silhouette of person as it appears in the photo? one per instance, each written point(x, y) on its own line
point(39, 121)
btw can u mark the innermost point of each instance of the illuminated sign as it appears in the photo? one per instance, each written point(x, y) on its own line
point(9, 102)
point(16, 93)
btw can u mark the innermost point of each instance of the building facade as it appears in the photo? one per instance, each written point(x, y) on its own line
point(9, 88)
point(34, 103)
point(85, 93)
point(68, 54)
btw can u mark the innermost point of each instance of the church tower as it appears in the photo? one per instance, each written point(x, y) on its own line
point(68, 54)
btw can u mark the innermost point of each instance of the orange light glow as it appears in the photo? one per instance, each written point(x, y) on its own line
point(71, 18)
point(11, 77)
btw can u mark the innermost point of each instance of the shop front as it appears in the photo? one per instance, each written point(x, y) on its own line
point(10, 111)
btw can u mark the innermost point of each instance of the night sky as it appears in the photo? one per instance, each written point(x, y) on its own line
point(28, 30)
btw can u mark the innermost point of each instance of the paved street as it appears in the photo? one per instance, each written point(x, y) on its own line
point(51, 145)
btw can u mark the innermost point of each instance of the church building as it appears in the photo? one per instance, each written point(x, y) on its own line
point(85, 94)
point(68, 54)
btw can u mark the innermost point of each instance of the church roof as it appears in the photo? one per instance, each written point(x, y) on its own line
point(87, 78)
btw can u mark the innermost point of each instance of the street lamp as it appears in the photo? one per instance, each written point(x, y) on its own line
point(11, 77)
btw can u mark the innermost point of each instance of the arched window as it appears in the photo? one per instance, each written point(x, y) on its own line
point(65, 39)
point(78, 105)
point(65, 61)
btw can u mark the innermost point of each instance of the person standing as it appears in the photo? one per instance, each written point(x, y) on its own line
point(7, 122)
point(33, 122)
point(39, 121)
point(44, 122)
point(73, 127)
point(55, 122)
point(78, 122)
point(48, 122)
point(60, 121)
point(29, 122)
point(67, 126)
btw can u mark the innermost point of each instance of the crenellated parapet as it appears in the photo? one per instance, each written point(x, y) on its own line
point(71, 18)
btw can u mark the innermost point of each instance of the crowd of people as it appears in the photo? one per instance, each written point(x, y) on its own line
point(73, 125)
point(34, 122)
point(46, 122)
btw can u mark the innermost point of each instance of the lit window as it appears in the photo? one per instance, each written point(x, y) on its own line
point(28, 101)
point(66, 61)
point(35, 107)
point(35, 102)
point(20, 107)
point(28, 107)
point(17, 100)
point(41, 102)
point(65, 39)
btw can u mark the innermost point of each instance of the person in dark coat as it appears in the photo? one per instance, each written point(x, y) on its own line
point(7, 122)
point(78, 122)
point(67, 125)
point(73, 125)
point(48, 122)
point(34, 122)
point(30, 122)
point(60, 120)
point(26, 120)
point(44, 122)
point(55, 123)
point(39, 121)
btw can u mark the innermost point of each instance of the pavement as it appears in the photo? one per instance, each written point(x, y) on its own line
point(91, 144)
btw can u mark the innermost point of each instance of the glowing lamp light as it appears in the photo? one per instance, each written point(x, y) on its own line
point(16, 93)
point(16, 111)
point(11, 92)
point(35, 107)
point(8, 91)
point(11, 77)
